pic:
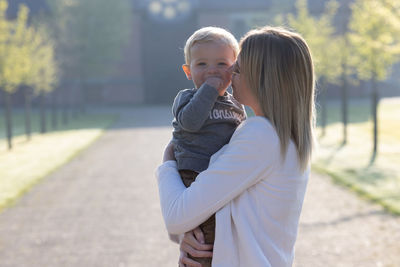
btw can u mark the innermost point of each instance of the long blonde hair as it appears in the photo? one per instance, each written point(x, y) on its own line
point(278, 67)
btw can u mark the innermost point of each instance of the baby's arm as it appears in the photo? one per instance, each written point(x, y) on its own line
point(191, 111)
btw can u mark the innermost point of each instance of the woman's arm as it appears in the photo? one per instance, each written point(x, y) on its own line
point(242, 163)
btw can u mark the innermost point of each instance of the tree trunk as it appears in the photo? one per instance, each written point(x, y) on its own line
point(375, 101)
point(28, 111)
point(75, 110)
point(8, 118)
point(84, 95)
point(65, 114)
point(344, 103)
point(54, 121)
point(77, 101)
point(65, 102)
point(42, 113)
point(323, 106)
point(82, 82)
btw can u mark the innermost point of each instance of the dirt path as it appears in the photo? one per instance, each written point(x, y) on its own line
point(102, 210)
point(337, 228)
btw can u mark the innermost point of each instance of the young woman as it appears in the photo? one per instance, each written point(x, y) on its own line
point(256, 183)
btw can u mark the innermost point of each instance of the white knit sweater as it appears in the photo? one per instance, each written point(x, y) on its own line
point(256, 196)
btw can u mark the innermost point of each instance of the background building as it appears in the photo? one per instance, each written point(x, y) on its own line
point(159, 30)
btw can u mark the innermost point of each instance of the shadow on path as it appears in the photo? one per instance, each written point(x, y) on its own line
point(343, 219)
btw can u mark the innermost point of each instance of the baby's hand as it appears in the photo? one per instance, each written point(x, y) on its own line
point(218, 83)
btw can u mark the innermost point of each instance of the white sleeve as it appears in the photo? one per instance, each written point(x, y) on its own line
point(250, 155)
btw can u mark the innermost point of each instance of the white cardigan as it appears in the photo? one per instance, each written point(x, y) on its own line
point(256, 196)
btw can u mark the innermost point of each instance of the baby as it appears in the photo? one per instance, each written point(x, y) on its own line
point(206, 116)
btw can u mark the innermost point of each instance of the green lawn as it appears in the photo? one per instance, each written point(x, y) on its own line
point(349, 164)
point(30, 161)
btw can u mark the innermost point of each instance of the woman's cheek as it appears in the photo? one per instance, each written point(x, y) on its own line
point(233, 80)
point(234, 89)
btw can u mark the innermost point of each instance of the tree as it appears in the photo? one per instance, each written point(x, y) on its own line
point(26, 58)
point(57, 22)
point(347, 67)
point(319, 34)
point(4, 36)
point(13, 61)
point(45, 70)
point(344, 54)
point(375, 31)
point(26, 39)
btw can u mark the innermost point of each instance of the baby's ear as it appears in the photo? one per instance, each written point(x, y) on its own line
point(186, 69)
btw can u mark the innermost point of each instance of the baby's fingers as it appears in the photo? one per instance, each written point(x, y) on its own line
point(185, 247)
point(198, 233)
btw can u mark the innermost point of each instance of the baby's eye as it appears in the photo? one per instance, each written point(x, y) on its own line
point(222, 64)
point(201, 64)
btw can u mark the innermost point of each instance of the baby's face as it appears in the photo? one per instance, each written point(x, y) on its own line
point(211, 59)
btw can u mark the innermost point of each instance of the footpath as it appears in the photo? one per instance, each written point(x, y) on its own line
point(102, 210)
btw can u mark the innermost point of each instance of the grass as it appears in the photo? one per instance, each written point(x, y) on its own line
point(30, 161)
point(349, 164)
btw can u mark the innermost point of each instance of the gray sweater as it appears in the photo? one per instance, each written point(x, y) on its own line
point(203, 123)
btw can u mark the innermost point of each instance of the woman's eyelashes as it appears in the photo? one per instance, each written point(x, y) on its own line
point(236, 69)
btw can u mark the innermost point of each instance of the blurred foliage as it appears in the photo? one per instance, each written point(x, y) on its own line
point(5, 31)
point(46, 69)
point(26, 53)
point(319, 34)
point(375, 35)
point(365, 49)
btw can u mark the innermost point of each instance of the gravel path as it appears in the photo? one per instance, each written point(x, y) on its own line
point(102, 210)
point(337, 228)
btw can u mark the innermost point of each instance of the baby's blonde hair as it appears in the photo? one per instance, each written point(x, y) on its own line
point(210, 34)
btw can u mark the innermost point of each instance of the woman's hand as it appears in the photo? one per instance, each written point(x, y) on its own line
point(193, 244)
point(169, 152)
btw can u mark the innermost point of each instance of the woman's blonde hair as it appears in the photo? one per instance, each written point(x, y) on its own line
point(277, 66)
point(210, 34)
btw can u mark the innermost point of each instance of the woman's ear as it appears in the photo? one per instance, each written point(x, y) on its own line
point(186, 69)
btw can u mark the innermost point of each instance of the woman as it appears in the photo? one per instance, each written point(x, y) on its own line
point(256, 183)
